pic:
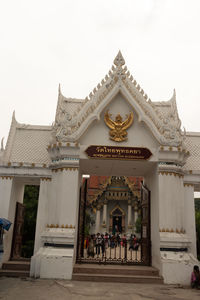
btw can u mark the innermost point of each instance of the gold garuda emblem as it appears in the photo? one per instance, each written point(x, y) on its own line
point(118, 127)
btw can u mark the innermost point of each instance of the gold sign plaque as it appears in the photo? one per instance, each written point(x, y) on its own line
point(114, 152)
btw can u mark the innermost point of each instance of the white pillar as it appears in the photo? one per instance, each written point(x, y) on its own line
point(42, 211)
point(105, 213)
point(63, 195)
point(97, 227)
point(189, 216)
point(129, 214)
point(135, 215)
point(135, 218)
point(5, 195)
point(171, 201)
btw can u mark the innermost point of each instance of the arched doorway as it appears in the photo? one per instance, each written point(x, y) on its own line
point(117, 241)
point(117, 219)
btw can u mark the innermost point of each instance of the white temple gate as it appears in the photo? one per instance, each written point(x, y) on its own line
point(120, 120)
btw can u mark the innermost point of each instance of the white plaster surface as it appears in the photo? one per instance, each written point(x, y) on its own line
point(51, 262)
point(177, 267)
point(139, 134)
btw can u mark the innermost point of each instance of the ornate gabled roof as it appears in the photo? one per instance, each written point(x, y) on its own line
point(73, 116)
point(27, 144)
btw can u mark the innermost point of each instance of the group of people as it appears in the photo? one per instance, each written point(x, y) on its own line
point(98, 243)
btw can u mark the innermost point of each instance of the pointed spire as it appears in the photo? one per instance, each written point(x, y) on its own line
point(2, 147)
point(59, 89)
point(13, 117)
point(119, 60)
point(174, 94)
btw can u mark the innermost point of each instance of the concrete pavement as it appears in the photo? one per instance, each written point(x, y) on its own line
point(34, 289)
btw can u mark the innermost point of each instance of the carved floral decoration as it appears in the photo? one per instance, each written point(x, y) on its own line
point(73, 116)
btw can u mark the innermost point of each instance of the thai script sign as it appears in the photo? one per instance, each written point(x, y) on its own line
point(114, 152)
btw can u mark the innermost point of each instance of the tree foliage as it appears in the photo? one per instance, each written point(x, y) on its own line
point(89, 221)
point(31, 194)
point(138, 225)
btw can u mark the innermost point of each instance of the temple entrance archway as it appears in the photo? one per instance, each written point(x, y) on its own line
point(113, 207)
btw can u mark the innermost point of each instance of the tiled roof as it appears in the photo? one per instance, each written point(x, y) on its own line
point(192, 143)
point(30, 145)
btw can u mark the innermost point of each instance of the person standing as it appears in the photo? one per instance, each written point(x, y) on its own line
point(195, 277)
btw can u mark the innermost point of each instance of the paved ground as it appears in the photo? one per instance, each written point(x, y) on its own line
point(33, 289)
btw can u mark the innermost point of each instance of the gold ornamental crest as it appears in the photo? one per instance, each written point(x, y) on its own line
point(118, 127)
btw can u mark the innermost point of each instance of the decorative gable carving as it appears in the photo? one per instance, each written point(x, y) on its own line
point(73, 116)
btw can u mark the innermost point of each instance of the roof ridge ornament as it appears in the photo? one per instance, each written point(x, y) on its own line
point(59, 89)
point(119, 61)
point(2, 146)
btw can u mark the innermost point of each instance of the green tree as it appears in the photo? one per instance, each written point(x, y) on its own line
point(31, 194)
point(197, 204)
point(138, 225)
point(89, 221)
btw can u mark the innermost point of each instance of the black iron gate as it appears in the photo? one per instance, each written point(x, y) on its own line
point(117, 248)
point(145, 226)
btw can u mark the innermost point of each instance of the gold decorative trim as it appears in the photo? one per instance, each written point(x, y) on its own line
point(45, 179)
point(60, 226)
point(6, 177)
point(65, 168)
point(188, 184)
point(172, 230)
point(9, 164)
point(171, 173)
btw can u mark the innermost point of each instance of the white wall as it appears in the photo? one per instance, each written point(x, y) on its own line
point(138, 134)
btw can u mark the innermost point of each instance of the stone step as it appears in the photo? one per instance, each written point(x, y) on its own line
point(116, 273)
point(115, 270)
point(16, 265)
point(16, 273)
point(117, 278)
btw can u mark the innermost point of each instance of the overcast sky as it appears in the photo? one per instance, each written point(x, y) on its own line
point(44, 43)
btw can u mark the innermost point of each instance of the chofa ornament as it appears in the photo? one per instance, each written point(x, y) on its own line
point(118, 127)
